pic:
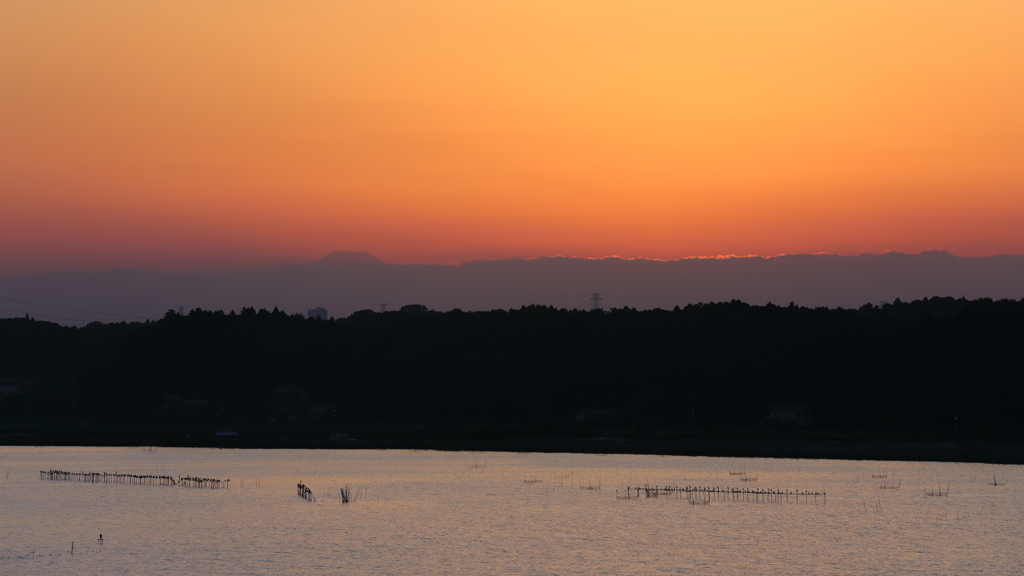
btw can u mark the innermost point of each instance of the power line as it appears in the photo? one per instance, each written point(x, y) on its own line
point(70, 309)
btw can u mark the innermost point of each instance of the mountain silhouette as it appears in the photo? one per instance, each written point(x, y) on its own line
point(342, 284)
point(346, 258)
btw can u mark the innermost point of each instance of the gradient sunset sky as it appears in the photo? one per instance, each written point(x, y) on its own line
point(213, 134)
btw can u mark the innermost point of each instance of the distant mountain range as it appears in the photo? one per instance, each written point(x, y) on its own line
point(344, 282)
point(343, 258)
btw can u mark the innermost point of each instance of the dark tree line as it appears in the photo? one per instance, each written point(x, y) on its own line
point(929, 365)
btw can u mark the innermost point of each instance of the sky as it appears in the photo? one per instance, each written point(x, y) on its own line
point(217, 135)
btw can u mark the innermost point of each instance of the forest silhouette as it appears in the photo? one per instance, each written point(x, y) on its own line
point(939, 364)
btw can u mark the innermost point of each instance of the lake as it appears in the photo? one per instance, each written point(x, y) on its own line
point(423, 512)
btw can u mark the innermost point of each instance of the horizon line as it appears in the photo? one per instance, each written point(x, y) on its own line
point(459, 263)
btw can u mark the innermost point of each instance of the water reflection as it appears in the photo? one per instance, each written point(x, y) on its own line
point(494, 513)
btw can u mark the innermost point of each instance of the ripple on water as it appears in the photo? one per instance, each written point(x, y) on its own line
point(465, 513)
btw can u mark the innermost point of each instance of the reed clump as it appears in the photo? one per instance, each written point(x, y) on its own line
point(346, 494)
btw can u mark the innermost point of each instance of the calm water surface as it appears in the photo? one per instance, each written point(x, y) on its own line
point(474, 513)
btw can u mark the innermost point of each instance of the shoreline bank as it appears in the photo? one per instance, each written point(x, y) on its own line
point(714, 443)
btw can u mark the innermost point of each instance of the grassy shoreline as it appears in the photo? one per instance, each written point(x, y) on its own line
point(750, 443)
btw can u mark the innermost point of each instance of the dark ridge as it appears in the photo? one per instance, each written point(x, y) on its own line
point(719, 378)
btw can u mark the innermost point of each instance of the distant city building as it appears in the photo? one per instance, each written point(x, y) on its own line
point(318, 312)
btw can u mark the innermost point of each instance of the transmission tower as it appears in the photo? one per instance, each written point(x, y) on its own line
point(595, 301)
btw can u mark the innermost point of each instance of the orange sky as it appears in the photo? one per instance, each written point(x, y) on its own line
point(195, 135)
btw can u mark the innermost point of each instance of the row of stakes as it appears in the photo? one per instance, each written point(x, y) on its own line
point(304, 491)
point(142, 479)
point(705, 494)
